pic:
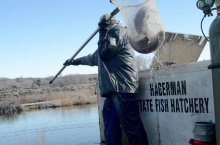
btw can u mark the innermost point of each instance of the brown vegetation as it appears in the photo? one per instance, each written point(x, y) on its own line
point(50, 99)
point(10, 105)
point(58, 99)
point(51, 96)
point(69, 90)
point(21, 82)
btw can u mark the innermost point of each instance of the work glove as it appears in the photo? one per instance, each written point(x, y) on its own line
point(103, 33)
point(73, 62)
point(103, 22)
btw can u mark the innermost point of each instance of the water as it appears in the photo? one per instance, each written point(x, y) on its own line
point(78, 125)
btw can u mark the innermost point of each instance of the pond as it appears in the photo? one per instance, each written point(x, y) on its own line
point(75, 125)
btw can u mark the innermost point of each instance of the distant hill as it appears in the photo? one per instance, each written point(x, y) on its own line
point(6, 83)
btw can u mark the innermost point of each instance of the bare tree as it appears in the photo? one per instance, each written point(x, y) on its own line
point(142, 62)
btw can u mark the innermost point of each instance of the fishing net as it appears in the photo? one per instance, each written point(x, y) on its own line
point(145, 30)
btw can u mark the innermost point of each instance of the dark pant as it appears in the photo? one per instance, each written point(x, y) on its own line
point(121, 110)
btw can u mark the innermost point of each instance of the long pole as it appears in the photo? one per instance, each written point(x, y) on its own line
point(114, 12)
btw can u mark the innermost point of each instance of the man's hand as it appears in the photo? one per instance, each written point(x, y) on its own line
point(73, 62)
point(103, 22)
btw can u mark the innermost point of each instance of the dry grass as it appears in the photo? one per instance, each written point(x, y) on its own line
point(58, 99)
point(66, 98)
point(79, 100)
point(84, 95)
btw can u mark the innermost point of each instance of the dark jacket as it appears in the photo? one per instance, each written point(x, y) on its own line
point(117, 71)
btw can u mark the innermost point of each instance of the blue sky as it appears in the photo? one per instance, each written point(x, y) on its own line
point(37, 36)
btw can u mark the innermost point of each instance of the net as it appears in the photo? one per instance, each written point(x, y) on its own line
point(145, 30)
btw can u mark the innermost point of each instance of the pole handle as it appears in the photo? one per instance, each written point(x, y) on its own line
point(84, 44)
point(114, 12)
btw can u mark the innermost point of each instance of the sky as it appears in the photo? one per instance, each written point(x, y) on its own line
point(37, 36)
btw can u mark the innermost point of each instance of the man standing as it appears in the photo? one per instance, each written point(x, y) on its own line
point(118, 82)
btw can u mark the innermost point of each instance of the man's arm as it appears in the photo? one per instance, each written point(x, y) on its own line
point(108, 46)
point(91, 60)
point(109, 38)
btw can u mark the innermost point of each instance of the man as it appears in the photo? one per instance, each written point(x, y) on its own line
point(118, 82)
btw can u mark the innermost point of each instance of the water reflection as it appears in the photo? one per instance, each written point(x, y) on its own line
point(75, 125)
